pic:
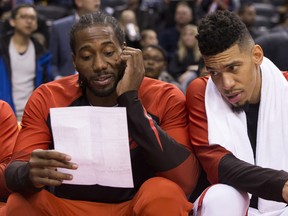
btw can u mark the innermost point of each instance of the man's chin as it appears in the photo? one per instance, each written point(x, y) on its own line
point(240, 108)
point(105, 92)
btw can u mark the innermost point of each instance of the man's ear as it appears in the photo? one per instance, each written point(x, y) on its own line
point(12, 22)
point(258, 54)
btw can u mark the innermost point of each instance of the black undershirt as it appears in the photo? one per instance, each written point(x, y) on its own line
point(252, 120)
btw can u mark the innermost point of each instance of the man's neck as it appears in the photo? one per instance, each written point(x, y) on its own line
point(20, 42)
point(108, 101)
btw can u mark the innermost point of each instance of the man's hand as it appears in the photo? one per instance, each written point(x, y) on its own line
point(43, 168)
point(134, 71)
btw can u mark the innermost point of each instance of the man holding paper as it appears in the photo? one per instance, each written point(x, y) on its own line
point(111, 74)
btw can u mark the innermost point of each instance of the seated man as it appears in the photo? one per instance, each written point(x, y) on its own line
point(8, 134)
point(110, 74)
point(238, 122)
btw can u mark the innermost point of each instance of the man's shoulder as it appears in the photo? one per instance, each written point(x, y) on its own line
point(195, 93)
point(5, 107)
point(157, 86)
point(61, 92)
point(199, 84)
point(60, 86)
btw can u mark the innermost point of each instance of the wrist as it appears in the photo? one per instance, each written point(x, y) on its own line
point(285, 192)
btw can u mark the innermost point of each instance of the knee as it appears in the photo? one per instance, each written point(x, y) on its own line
point(160, 194)
point(18, 205)
point(225, 200)
point(158, 187)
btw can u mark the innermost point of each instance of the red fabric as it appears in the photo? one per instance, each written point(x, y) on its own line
point(167, 199)
point(8, 136)
point(208, 155)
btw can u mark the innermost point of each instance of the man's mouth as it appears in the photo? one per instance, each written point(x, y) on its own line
point(102, 81)
point(233, 98)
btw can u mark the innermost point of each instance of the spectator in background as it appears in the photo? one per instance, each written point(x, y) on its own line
point(210, 6)
point(8, 134)
point(169, 37)
point(247, 14)
point(41, 34)
point(282, 26)
point(155, 63)
point(275, 46)
point(145, 18)
point(184, 65)
point(24, 62)
point(130, 26)
point(59, 38)
point(148, 37)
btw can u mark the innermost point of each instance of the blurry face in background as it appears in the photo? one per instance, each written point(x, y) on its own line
point(25, 22)
point(183, 15)
point(128, 16)
point(88, 5)
point(188, 36)
point(154, 62)
point(249, 16)
point(149, 39)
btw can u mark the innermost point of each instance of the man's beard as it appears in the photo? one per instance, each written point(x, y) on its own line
point(239, 109)
point(85, 84)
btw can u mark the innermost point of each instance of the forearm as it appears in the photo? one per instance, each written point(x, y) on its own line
point(17, 178)
point(261, 182)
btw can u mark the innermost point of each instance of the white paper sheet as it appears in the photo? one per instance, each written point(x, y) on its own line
point(97, 140)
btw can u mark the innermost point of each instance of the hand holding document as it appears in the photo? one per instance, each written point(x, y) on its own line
point(97, 140)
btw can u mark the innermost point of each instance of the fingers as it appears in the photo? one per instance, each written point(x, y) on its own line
point(47, 176)
point(51, 158)
point(133, 57)
point(134, 71)
point(43, 166)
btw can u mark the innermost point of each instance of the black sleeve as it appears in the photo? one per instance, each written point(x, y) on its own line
point(261, 182)
point(161, 151)
point(17, 178)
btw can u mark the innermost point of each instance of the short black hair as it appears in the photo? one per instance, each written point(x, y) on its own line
point(15, 10)
point(157, 47)
point(96, 18)
point(220, 30)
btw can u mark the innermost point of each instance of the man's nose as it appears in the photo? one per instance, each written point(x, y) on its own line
point(99, 64)
point(227, 81)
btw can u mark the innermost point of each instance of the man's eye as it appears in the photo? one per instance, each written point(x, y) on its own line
point(214, 73)
point(233, 68)
point(85, 58)
point(109, 53)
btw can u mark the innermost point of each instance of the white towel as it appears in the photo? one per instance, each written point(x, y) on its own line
point(229, 129)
